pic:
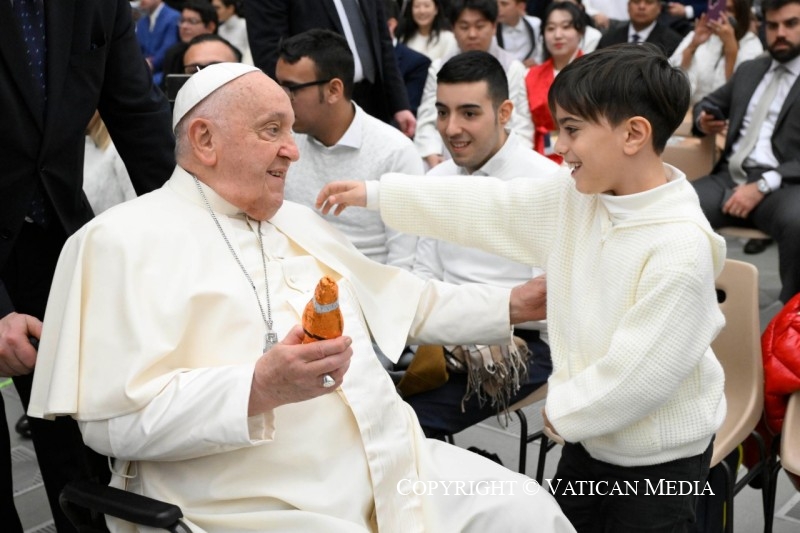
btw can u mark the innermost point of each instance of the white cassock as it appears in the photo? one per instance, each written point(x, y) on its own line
point(151, 336)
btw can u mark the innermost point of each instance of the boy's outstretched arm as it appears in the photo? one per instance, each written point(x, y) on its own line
point(341, 194)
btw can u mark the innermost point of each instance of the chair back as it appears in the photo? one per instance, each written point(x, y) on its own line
point(738, 349)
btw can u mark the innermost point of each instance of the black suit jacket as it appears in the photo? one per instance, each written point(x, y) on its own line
point(268, 21)
point(93, 62)
point(733, 98)
point(667, 39)
point(414, 69)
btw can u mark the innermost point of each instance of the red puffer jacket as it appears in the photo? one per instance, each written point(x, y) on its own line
point(780, 349)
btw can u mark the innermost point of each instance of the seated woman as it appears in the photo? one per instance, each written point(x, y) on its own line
point(425, 29)
point(715, 48)
point(562, 29)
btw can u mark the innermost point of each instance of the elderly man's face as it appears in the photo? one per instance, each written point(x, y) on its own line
point(254, 146)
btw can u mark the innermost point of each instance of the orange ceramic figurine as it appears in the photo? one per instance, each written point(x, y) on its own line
point(321, 318)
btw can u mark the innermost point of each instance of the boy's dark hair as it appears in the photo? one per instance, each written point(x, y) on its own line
point(206, 37)
point(328, 50)
point(476, 66)
point(578, 20)
point(487, 8)
point(624, 81)
point(206, 11)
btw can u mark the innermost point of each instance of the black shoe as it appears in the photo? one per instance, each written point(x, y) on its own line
point(491, 456)
point(756, 246)
point(23, 427)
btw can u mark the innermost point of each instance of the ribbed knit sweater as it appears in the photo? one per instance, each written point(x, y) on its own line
point(631, 304)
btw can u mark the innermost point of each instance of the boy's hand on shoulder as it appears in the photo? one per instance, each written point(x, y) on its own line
point(341, 194)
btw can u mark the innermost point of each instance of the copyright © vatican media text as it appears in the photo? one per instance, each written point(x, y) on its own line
point(660, 487)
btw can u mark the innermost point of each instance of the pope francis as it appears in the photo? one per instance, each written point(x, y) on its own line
point(171, 336)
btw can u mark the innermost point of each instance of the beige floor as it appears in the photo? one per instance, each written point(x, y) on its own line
point(488, 435)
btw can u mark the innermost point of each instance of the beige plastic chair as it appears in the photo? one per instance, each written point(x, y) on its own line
point(738, 349)
point(790, 436)
point(742, 233)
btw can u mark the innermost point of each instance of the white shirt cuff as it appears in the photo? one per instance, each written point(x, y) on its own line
point(373, 195)
point(773, 179)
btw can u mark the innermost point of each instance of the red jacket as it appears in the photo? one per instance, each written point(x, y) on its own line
point(537, 83)
point(780, 349)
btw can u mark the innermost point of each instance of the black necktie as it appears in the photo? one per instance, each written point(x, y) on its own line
point(30, 14)
point(635, 38)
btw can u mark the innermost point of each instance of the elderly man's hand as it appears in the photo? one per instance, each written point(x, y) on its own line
point(341, 194)
point(529, 301)
point(293, 372)
point(17, 354)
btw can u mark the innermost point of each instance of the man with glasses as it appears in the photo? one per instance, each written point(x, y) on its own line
point(198, 17)
point(643, 27)
point(209, 49)
point(378, 86)
point(338, 140)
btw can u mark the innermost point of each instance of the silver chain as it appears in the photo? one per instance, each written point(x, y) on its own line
point(270, 336)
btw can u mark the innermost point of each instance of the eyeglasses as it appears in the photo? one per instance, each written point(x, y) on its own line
point(194, 21)
point(193, 68)
point(292, 88)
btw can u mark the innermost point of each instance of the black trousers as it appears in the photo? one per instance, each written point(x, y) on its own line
point(600, 497)
point(60, 451)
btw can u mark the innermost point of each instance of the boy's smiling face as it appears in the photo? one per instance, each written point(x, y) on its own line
point(593, 151)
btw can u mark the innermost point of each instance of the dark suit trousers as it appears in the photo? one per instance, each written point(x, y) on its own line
point(776, 215)
point(59, 446)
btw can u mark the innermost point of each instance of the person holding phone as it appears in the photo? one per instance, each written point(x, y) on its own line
point(720, 42)
point(761, 159)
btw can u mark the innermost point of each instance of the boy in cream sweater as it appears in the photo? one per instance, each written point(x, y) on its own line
point(636, 391)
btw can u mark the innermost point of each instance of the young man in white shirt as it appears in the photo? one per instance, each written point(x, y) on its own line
point(473, 111)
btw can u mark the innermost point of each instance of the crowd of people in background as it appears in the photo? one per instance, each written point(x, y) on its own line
point(363, 82)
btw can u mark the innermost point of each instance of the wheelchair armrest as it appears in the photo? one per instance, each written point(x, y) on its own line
point(119, 503)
